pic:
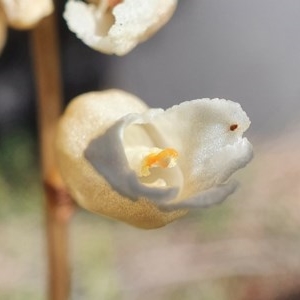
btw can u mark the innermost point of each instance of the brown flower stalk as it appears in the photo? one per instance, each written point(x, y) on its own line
point(112, 3)
point(59, 206)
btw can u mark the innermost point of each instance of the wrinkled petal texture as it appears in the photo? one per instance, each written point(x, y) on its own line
point(24, 14)
point(119, 31)
point(99, 128)
point(87, 117)
point(207, 133)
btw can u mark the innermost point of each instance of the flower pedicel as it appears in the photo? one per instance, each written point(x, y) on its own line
point(145, 166)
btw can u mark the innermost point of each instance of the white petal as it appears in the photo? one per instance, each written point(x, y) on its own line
point(81, 18)
point(97, 129)
point(24, 14)
point(87, 117)
point(119, 31)
point(209, 151)
point(137, 20)
point(206, 133)
point(215, 195)
point(106, 154)
point(95, 112)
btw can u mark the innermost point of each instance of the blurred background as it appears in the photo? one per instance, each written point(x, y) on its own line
point(247, 248)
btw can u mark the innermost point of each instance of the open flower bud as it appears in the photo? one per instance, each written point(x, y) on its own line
point(24, 14)
point(145, 166)
point(116, 27)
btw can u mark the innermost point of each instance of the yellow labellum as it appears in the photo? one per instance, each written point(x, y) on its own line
point(165, 158)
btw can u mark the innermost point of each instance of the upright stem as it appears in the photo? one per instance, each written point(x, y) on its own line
point(58, 204)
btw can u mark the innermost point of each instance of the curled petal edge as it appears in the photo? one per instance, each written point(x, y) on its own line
point(207, 198)
point(120, 31)
point(107, 156)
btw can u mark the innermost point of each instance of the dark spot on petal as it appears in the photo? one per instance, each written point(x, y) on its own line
point(233, 127)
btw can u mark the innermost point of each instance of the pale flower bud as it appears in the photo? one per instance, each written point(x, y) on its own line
point(116, 27)
point(24, 14)
point(145, 166)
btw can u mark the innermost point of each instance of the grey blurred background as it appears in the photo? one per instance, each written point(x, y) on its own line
point(245, 249)
point(246, 51)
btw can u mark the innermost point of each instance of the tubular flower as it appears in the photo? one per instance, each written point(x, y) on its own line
point(145, 166)
point(117, 26)
point(22, 14)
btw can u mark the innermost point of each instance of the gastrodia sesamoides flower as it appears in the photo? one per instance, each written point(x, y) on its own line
point(116, 26)
point(145, 166)
point(24, 14)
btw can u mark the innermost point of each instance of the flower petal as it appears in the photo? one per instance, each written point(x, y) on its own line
point(101, 133)
point(87, 117)
point(120, 30)
point(207, 198)
point(106, 153)
point(24, 14)
point(208, 137)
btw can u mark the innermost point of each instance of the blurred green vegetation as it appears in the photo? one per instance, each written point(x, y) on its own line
point(21, 218)
point(20, 185)
point(92, 237)
point(102, 250)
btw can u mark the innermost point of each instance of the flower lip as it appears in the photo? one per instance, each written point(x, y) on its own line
point(208, 134)
point(163, 158)
point(144, 159)
point(107, 155)
point(104, 137)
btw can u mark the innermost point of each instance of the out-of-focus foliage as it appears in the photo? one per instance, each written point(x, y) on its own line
point(246, 249)
point(20, 185)
point(248, 245)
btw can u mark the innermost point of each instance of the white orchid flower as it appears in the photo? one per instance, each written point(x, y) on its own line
point(145, 166)
point(117, 26)
point(22, 14)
